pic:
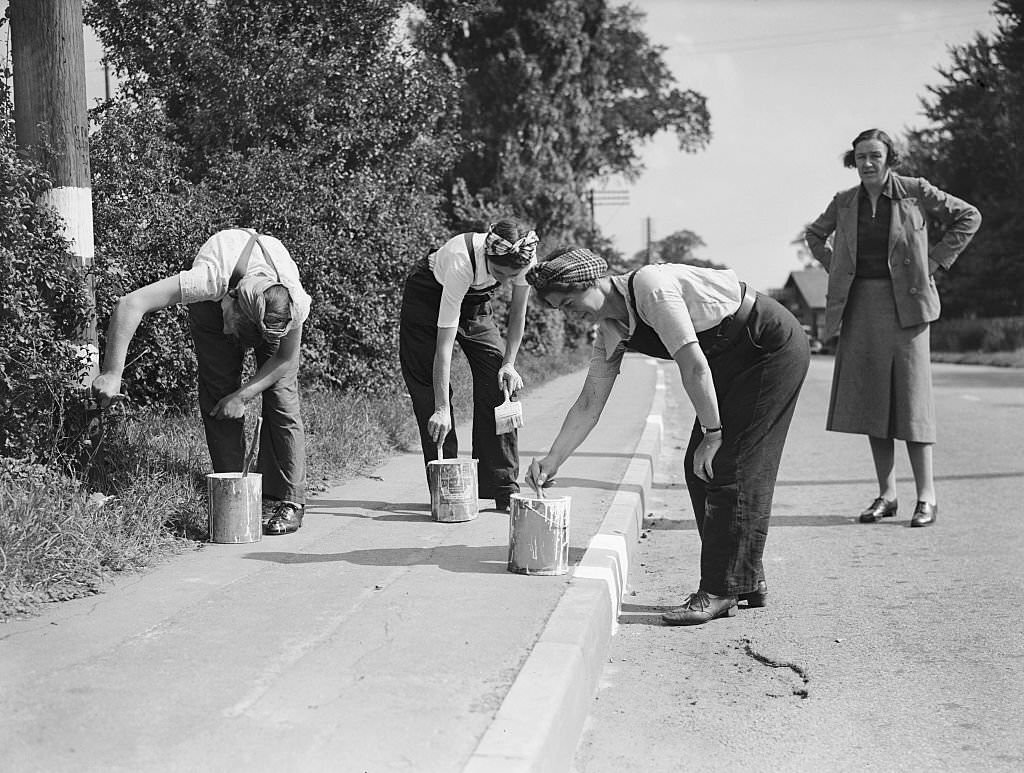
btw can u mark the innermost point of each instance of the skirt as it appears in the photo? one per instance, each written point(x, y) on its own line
point(882, 382)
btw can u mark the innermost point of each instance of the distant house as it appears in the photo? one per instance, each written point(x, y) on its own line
point(804, 295)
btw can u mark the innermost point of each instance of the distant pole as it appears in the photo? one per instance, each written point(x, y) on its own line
point(51, 120)
point(647, 239)
point(593, 218)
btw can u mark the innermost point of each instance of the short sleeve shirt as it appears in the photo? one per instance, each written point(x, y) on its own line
point(678, 301)
point(453, 270)
point(211, 270)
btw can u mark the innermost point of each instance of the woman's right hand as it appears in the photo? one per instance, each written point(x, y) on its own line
point(439, 425)
point(107, 388)
point(541, 474)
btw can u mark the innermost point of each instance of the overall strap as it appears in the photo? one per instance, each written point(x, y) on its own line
point(243, 260)
point(472, 253)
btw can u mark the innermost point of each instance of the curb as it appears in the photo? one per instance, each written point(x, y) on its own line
point(539, 723)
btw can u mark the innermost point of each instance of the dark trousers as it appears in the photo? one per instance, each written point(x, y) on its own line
point(478, 337)
point(757, 382)
point(282, 454)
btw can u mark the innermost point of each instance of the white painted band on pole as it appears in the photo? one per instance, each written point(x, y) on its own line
point(74, 205)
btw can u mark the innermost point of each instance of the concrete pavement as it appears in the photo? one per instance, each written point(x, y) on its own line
point(374, 639)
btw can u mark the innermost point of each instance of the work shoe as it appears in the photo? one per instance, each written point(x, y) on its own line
point(880, 508)
point(269, 506)
point(756, 598)
point(924, 514)
point(286, 518)
point(701, 607)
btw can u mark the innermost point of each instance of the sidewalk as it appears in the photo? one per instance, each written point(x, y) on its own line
point(373, 639)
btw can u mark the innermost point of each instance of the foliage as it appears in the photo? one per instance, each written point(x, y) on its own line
point(554, 94)
point(678, 247)
point(43, 308)
point(974, 148)
point(994, 334)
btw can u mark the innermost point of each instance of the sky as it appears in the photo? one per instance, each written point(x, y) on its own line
point(789, 84)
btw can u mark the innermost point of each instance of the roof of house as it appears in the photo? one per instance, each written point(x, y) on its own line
point(812, 284)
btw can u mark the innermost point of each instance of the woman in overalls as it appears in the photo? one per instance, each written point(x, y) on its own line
point(742, 358)
point(447, 299)
point(243, 291)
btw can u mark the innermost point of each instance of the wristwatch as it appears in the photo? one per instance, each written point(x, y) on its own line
point(708, 430)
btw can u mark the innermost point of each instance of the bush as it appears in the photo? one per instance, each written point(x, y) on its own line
point(43, 309)
point(996, 334)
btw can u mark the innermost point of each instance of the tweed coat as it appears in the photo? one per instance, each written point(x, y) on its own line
point(912, 261)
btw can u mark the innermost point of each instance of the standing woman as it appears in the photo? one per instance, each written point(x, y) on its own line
point(742, 358)
point(447, 299)
point(881, 299)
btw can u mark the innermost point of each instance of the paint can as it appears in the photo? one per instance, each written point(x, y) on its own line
point(538, 535)
point(235, 501)
point(453, 490)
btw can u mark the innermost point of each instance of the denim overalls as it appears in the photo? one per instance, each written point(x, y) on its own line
point(478, 337)
point(757, 381)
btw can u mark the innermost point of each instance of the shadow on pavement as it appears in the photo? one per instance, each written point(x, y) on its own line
point(672, 524)
point(489, 559)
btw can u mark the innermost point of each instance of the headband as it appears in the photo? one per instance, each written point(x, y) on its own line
point(518, 253)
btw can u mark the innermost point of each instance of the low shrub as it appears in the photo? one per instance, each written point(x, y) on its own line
point(995, 334)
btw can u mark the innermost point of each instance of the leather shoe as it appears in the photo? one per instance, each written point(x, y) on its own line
point(756, 598)
point(287, 518)
point(924, 514)
point(700, 607)
point(880, 508)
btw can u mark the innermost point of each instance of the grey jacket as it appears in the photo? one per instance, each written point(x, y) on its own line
point(914, 199)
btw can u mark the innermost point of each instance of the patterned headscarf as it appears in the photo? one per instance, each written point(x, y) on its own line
point(572, 267)
point(517, 254)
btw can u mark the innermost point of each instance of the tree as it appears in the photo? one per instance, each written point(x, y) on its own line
point(554, 94)
point(974, 148)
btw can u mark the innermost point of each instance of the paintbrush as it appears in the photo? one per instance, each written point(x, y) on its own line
point(508, 416)
point(251, 456)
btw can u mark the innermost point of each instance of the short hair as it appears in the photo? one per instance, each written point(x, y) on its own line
point(278, 311)
point(892, 158)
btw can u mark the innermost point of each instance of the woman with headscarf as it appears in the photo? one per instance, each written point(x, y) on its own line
point(742, 358)
point(243, 291)
point(447, 299)
point(882, 299)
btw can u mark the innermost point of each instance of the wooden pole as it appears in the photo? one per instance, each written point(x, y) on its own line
point(51, 126)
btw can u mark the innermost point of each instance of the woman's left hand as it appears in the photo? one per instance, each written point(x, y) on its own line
point(704, 456)
point(509, 379)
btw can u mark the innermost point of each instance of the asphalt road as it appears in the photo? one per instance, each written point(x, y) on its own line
point(884, 648)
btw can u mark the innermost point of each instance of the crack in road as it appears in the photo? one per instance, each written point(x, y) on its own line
point(773, 663)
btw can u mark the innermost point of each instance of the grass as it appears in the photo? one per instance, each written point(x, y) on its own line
point(61, 538)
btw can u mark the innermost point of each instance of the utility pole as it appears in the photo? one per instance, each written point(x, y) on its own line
point(51, 126)
point(647, 239)
point(596, 198)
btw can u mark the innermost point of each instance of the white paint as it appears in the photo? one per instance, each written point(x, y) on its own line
point(607, 575)
point(74, 205)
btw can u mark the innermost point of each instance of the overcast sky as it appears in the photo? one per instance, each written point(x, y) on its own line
point(789, 84)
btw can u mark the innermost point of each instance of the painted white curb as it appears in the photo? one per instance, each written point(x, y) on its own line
point(540, 721)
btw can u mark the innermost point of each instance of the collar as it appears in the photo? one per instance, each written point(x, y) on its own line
point(887, 187)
